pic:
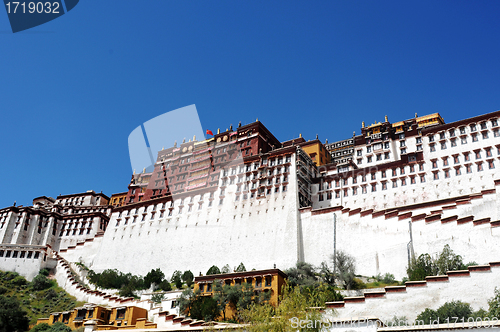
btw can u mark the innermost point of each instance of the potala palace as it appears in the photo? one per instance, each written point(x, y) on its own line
point(392, 191)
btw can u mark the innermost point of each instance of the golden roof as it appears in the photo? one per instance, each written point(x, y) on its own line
point(376, 124)
point(397, 124)
point(430, 117)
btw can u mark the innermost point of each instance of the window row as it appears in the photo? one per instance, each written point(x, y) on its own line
point(19, 254)
point(463, 130)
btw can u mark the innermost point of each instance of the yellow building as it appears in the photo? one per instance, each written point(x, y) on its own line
point(271, 280)
point(317, 151)
point(106, 318)
point(118, 199)
point(429, 120)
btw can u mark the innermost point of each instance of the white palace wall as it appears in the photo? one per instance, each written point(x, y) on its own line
point(258, 232)
point(474, 286)
point(264, 232)
point(378, 240)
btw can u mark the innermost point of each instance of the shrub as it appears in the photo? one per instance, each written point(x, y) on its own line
point(127, 291)
point(40, 282)
point(19, 281)
point(42, 327)
point(60, 327)
point(301, 275)
point(115, 279)
point(449, 261)
point(346, 269)
point(425, 266)
point(447, 310)
point(388, 278)
point(44, 272)
point(50, 294)
point(421, 267)
point(165, 285)
point(357, 284)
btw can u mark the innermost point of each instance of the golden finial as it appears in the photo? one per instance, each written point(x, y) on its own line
point(218, 130)
point(144, 170)
point(362, 124)
point(386, 120)
point(300, 135)
point(194, 138)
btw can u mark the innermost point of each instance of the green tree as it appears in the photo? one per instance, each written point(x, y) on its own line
point(454, 309)
point(213, 270)
point(421, 267)
point(240, 268)
point(188, 278)
point(40, 282)
point(165, 285)
point(345, 266)
point(226, 269)
point(154, 277)
point(196, 306)
point(320, 293)
point(185, 300)
point(427, 316)
point(494, 304)
point(326, 275)
point(220, 295)
point(449, 261)
point(12, 317)
point(127, 291)
point(447, 310)
point(158, 297)
point(301, 275)
point(247, 296)
point(205, 308)
point(292, 308)
point(177, 279)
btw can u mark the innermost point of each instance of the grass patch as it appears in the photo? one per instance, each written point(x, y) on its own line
point(37, 303)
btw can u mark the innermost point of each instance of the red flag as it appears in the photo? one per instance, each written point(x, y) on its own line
point(209, 132)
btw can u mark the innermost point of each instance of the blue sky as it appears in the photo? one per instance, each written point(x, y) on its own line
point(73, 89)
